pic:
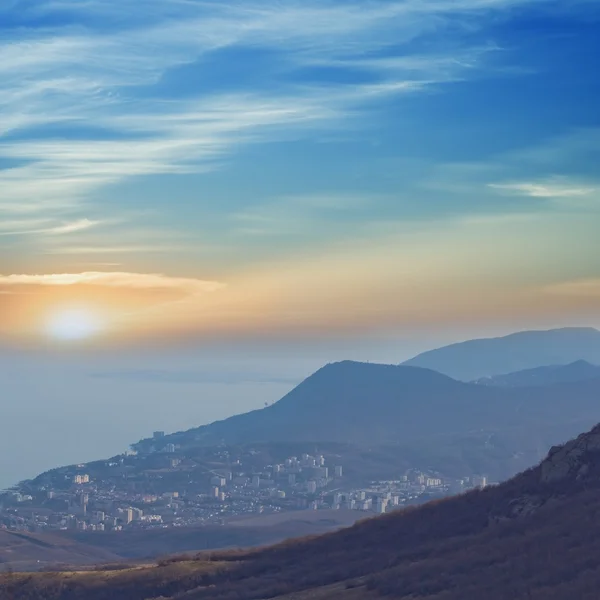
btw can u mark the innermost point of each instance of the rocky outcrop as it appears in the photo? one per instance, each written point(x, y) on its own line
point(524, 506)
point(567, 470)
point(575, 460)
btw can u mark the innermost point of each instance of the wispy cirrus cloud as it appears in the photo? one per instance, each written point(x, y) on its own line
point(107, 71)
point(45, 226)
point(549, 189)
point(110, 249)
point(10, 226)
point(99, 93)
point(79, 225)
point(117, 279)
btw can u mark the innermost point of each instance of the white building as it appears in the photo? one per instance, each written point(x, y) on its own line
point(433, 482)
point(479, 481)
point(152, 518)
point(99, 516)
point(381, 505)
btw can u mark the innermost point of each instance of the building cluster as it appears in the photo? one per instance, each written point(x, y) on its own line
point(385, 496)
point(167, 486)
point(81, 508)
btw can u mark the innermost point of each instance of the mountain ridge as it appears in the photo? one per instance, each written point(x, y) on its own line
point(487, 357)
point(580, 370)
point(352, 402)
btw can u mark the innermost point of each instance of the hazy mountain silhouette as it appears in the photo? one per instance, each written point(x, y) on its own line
point(533, 537)
point(580, 370)
point(475, 359)
point(373, 404)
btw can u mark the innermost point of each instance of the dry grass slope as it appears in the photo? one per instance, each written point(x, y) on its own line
point(138, 583)
point(24, 551)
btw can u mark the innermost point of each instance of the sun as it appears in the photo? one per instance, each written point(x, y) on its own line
point(74, 324)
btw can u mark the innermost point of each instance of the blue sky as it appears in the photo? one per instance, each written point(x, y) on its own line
point(441, 146)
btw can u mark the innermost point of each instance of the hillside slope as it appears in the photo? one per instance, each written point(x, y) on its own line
point(534, 537)
point(249, 532)
point(474, 359)
point(26, 551)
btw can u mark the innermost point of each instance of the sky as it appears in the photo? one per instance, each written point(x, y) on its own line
point(237, 168)
point(276, 184)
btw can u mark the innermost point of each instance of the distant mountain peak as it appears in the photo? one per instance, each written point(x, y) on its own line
point(488, 357)
point(581, 363)
point(354, 368)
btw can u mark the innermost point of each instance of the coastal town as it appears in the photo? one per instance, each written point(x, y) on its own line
point(161, 486)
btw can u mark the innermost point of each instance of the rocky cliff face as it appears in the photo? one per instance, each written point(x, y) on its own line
point(577, 460)
point(566, 471)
